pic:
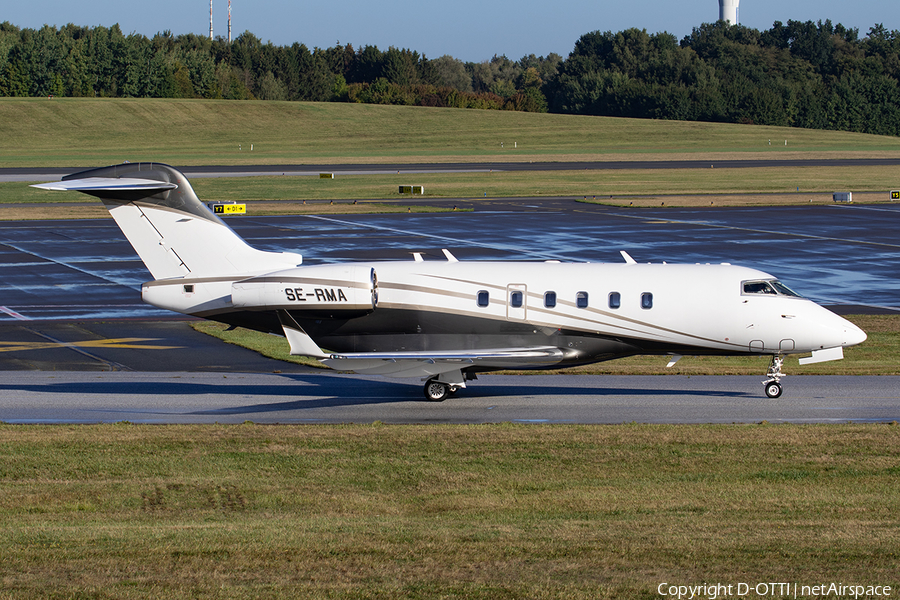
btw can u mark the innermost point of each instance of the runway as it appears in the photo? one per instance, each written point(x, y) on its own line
point(309, 397)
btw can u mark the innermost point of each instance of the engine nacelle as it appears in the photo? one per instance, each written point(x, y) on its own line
point(321, 290)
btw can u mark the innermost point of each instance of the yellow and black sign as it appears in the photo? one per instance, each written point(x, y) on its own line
point(895, 194)
point(326, 175)
point(230, 209)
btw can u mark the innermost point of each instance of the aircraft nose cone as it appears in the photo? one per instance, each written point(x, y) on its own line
point(853, 335)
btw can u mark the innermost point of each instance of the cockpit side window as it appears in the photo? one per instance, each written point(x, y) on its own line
point(758, 287)
point(767, 287)
point(784, 290)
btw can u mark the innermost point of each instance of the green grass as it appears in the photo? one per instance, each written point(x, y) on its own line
point(675, 187)
point(591, 183)
point(878, 355)
point(490, 511)
point(93, 132)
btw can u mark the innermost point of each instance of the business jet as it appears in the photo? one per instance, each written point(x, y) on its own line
point(446, 320)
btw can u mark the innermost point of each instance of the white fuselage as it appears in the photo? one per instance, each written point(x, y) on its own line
point(646, 308)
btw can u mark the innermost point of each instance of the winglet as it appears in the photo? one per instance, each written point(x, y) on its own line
point(627, 258)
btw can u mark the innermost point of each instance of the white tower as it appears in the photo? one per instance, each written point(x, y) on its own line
point(728, 11)
point(210, 19)
point(229, 21)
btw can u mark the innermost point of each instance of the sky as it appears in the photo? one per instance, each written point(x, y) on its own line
point(470, 30)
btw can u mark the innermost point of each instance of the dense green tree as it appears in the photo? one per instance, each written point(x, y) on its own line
point(805, 74)
point(451, 72)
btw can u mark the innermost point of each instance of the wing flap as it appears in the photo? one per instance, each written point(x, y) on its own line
point(426, 364)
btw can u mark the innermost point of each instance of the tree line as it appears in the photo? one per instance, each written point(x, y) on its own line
point(800, 74)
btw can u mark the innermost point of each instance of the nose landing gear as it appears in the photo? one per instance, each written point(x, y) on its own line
point(774, 374)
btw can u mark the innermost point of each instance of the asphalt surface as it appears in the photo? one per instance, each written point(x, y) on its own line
point(70, 304)
point(185, 397)
point(845, 255)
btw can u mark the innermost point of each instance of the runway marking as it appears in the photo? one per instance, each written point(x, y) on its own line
point(121, 343)
point(503, 247)
point(67, 265)
point(752, 230)
point(13, 314)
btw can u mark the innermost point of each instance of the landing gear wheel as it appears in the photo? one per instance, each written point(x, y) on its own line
point(436, 391)
point(774, 374)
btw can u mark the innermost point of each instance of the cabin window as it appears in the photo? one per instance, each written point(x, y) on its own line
point(483, 298)
point(581, 299)
point(615, 299)
point(549, 299)
point(646, 300)
point(516, 299)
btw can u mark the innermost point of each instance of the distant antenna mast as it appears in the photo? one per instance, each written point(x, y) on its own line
point(229, 21)
point(210, 20)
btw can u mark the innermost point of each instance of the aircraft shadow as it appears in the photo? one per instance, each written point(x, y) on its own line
point(329, 391)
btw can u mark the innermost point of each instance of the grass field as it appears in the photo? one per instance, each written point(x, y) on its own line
point(627, 187)
point(483, 512)
point(94, 132)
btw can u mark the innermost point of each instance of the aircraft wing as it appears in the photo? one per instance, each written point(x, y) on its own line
point(418, 363)
point(427, 364)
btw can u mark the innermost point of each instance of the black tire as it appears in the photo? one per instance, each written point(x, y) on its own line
point(773, 389)
point(436, 391)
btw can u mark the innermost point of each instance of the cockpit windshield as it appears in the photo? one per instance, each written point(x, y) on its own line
point(771, 287)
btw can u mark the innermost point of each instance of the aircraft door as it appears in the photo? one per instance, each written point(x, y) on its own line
point(516, 301)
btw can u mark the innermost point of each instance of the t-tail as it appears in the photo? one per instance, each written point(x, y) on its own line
point(171, 230)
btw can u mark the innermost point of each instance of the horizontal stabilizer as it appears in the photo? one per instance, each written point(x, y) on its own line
point(106, 184)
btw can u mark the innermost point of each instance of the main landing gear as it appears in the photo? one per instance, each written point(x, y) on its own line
point(438, 391)
point(439, 387)
point(774, 374)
